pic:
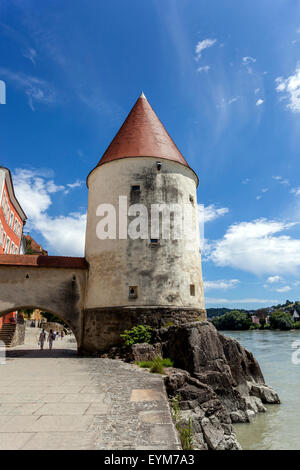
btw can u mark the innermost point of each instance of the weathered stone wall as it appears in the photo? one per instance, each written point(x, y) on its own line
point(19, 335)
point(103, 326)
point(162, 273)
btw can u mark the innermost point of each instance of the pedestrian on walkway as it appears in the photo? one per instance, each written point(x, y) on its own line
point(51, 338)
point(42, 339)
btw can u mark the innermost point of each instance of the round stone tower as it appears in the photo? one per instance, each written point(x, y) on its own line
point(144, 267)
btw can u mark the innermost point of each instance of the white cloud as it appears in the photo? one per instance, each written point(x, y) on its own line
point(257, 90)
point(283, 289)
point(211, 300)
point(246, 181)
point(259, 102)
point(248, 60)
point(76, 184)
point(205, 68)
point(64, 234)
point(232, 100)
point(263, 191)
point(291, 89)
point(281, 180)
point(296, 191)
point(37, 90)
point(221, 284)
point(256, 247)
point(273, 279)
point(211, 212)
point(30, 54)
point(202, 45)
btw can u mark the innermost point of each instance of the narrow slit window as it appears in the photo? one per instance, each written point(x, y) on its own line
point(133, 292)
point(191, 199)
point(192, 290)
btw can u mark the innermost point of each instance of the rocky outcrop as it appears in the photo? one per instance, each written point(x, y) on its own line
point(145, 351)
point(200, 405)
point(217, 381)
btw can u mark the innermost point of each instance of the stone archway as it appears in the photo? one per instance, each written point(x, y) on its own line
point(52, 284)
point(73, 327)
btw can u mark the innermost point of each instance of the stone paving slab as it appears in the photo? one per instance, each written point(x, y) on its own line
point(57, 400)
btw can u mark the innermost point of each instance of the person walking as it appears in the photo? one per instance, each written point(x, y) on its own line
point(51, 338)
point(42, 339)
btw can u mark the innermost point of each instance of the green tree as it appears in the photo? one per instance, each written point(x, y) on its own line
point(281, 321)
point(262, 322)
point(234, 320)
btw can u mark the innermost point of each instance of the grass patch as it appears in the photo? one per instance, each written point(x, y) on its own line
point(185, 431)
point(157, 365)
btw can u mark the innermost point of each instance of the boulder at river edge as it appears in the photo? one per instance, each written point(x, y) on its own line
point(217, 382)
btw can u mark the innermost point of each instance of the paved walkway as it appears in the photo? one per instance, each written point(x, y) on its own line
point(56, 400)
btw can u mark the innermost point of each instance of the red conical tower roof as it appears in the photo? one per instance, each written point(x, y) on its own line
point(142, 135)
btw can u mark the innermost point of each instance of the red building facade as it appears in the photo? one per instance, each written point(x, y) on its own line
point(12, 220)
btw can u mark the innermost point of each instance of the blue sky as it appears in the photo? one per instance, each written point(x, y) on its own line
point(224, 77)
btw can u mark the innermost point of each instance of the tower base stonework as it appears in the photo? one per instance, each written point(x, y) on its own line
point(102, 326)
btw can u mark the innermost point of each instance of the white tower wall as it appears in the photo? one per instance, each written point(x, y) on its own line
point(163, 273)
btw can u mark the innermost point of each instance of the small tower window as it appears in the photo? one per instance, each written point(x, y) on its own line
point(133, 292)
point(192, 289)
point(191, 199)
point(158, 166)
point(135, 188)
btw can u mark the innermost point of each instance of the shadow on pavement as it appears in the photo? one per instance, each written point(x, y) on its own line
point(38, 353)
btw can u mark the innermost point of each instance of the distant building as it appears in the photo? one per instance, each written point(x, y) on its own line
point(31, 247)
point(296, 315)
point(12, 221)
point(261, 314)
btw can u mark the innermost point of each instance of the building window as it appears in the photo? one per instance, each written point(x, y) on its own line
point(135, 187)
point(158, 165)
point(19, 229)
point(154, 241)
point(12, 247)
point(16, 250)
point(7, 245)
point(133, 292)
point(192, 290)
point(7, 213)
point(191, 199)
point(11, 219)
point(16, 226)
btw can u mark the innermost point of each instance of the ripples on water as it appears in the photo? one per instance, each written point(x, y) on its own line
point(279, 427)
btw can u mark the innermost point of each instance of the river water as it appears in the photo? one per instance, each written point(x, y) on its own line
point(279, 428)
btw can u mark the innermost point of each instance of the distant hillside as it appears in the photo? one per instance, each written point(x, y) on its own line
point(217, 312)
point(288, 306)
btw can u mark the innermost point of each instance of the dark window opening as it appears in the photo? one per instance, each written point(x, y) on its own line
point(154, 241)
point(191, 199)
point(135, 187)
point(158, 165)
point(132, 292)
point(192, 289)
